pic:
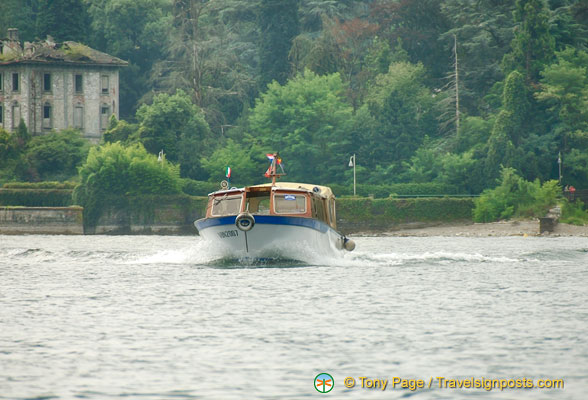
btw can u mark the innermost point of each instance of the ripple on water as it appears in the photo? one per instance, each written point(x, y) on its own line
point(161, 317)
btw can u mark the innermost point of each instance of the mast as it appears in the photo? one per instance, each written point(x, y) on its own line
point(272, 171)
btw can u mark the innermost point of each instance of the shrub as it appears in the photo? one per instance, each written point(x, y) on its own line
point(574, 213)
point(36, 197)
point(55, 156)
point(386, 211)
point(115, 170)
point(40, 185)
point(401, 189)
point(198, 188)
point(516, 197)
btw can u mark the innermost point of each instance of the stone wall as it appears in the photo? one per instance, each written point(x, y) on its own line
point(41, 220)
point(163, 215)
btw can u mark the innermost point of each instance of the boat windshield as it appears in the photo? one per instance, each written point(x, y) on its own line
point(258, 203)
point(226, 205)
point(290, 203)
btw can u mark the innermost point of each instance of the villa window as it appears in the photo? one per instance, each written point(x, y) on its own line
point(46, 82)
point(15, 115)
point(104, 116)
point(47, 116)
point(78, 117)
point(104, 83)
point(79, 83)
point(1, 116)
point(1, 82)
point(15, 82)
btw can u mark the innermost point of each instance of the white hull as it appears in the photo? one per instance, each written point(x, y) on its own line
point(276, 237)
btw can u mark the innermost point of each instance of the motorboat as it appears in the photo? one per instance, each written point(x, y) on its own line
point(277, 220)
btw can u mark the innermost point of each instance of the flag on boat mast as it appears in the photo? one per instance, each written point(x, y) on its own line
point(228, 172)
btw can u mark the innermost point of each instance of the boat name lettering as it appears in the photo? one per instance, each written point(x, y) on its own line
point(228, 234)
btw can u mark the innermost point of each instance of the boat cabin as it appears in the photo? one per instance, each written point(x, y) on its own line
point(282, 199)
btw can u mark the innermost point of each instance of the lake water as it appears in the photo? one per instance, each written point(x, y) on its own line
point(154, 317)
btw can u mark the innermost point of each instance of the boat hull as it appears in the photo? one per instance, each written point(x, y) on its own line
point(271, 237)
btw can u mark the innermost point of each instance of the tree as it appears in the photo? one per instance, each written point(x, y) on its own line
point(418, 25)
point(136, 31)
point(307, 121)
point(247, 164)
point(279, 25)
point(564, 88)
point(484, 31)
point(212, 54)
point(175, 125)
point(533, 45)
point(63, 20)
point(55, 156)
point(20, 14)
point(403, 107)
point(115, 170)
point(514, 196)
point(121, 131)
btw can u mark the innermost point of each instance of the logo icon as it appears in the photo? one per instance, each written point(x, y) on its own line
point(324, 383)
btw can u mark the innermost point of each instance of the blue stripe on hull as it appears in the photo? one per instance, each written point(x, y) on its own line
point(265, 219)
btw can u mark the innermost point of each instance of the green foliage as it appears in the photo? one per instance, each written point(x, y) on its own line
point(403, 108)
point(396, 189)
point(533, 45)
point(516, 197)
point(133, 30)
point(40, 185)
point(35, 197)
point(307, 121)
point(383, 212)
point(574, 213)
point(575, 167)
point(564, 88)
point(121, 131)
point(278, 25)
point(199, 188)
point(429, 164)
point(63, 20)
point(521, 101)
point(176, 126)
point(113, 169)
point(247, 165)
point(55, 156)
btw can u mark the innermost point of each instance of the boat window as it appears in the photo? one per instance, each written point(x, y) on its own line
point(258, 203)
point(226, 205)
point(318, 209)
point(290, 203)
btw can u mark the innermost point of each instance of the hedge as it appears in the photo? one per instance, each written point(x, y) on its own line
point(36, 197)
point(40, 185)
point(404, 189)
point(199, 188)
point(386, 212)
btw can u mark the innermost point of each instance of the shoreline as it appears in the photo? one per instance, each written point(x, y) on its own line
point(490, 229)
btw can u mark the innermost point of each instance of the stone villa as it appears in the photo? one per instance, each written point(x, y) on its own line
point(56, 86)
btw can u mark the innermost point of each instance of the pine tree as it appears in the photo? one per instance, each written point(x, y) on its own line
point(279, 25)
point(533, 45)
point(63, 20)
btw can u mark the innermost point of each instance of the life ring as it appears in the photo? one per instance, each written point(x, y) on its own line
point(245, 221)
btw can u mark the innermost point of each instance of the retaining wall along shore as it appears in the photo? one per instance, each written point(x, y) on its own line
point(41, 220)
point(167, 215)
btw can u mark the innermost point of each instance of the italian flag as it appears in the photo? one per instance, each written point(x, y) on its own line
point(228, 172)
